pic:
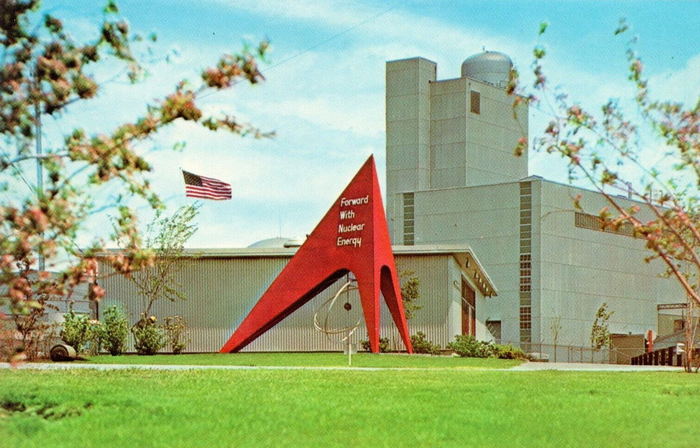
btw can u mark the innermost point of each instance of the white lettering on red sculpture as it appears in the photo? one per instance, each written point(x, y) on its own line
point(350, 227)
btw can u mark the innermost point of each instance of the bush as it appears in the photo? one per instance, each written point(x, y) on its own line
point(383, 345)
point(114, 331)
point(467, 346)
point(148, 337)
point(421, 344)
point(76, 330)
point(175, 328)
point(95, 336)
point(508, 352)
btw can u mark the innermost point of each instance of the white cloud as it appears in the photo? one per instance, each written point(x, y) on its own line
point(679, 85)
point(360, 115)
point(372, 24)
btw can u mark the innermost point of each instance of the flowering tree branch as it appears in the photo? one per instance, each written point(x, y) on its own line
point(606, 148)
point(43, 70)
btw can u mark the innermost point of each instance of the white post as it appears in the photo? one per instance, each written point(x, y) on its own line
point(349, 350)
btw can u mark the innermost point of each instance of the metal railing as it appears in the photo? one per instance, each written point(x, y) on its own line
point(663, 357)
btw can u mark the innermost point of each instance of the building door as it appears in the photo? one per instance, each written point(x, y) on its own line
point(468, 309)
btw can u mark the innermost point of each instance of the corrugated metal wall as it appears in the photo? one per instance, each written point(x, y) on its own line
point(221, 291)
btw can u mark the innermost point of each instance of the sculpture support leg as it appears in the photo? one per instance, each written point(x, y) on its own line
point(369, 296)
point(392, 296)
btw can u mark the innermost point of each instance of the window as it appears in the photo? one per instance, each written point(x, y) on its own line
point(525, 262)
point(592, 222)
point(525, 324)
point(475, 101)
point(408, 219)
point(678, 325)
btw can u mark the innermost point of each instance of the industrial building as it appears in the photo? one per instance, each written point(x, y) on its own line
point(222, 286)
point(467, 218)
point(452, 178)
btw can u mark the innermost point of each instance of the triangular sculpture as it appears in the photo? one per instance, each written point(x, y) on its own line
point(351, 237)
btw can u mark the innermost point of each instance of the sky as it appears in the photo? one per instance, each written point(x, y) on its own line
point(324, 90)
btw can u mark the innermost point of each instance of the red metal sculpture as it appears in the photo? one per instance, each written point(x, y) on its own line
point(352, 237)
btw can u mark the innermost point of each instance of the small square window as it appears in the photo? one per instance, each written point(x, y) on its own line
point(475, 102)
point(678, 325)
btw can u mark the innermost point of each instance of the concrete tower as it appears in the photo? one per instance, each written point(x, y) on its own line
point(450, 133)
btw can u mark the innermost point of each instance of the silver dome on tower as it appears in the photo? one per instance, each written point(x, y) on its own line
point(491, 67)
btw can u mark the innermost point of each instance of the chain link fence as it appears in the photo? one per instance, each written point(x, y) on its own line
point(578, 354)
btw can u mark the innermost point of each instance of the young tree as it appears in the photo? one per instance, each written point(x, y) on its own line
point(600, 333)
point(29, 321)
point(652, 158)
point(410, 293)
point(43, 71)
point(555, 328)
point(165, 237)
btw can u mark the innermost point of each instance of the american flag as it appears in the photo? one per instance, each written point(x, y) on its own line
point(205, 187)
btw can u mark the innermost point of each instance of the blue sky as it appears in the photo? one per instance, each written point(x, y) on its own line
point(324, 94)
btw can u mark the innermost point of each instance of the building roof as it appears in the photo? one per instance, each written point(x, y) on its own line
point(463, 254)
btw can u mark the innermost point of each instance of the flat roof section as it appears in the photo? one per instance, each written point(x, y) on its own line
point(463, 254)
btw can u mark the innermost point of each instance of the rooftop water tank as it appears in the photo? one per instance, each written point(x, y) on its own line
point(491, 67)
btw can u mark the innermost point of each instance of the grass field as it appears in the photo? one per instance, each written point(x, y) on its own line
point(309, 359)
point(322, 408)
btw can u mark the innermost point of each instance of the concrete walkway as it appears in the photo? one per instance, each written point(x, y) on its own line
point(80, 366)
point(526, 367)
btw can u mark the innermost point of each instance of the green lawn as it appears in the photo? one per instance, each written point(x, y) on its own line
point(309, 359)
point(321, 408)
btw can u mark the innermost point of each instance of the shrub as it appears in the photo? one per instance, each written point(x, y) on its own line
point(175, 328)
point(96, 334)
point(148, 337)
point(114, 331)
point(508, 352)
point(467, 346)
point(383, 345)
point(76, 330)
point(421, 344)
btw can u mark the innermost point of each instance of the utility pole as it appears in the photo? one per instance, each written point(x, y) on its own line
point(39, 170)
